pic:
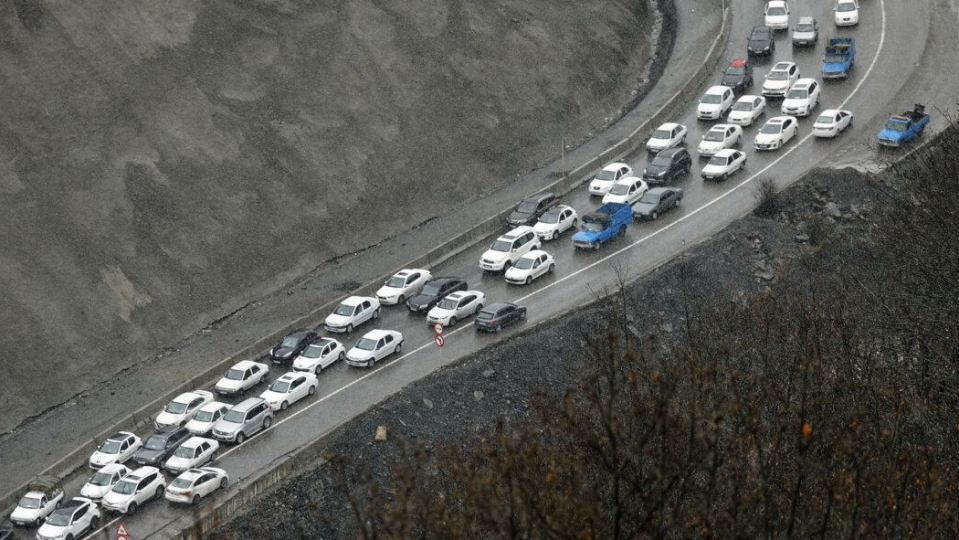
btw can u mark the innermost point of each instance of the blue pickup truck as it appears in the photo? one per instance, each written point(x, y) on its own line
point(601, 226)
point(838, 58)
point(903, 127)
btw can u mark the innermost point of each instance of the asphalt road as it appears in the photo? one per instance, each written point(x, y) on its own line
point(894, 40)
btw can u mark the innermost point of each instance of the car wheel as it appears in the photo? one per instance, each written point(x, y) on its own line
point(676, 204)
point(240, 437)
point(452, 321)
point(654, 215)
point(596, 245)
point(522, 316)
point(37, 522)
point(555, 235)
point(284, 406)
point(506, 265)
point(576, 221)
point(371, 362)
point(376, 314)
point(478, 308)
point(742, 165)
point(399, 348)
point(196, 500)
point(739, 140)
point(401, 300)
point(552, 268)
point(70, 536)
point(312, 390)
point(159, 492)
point(621, 231)
point(318, 369)
point(94, 523)
point(267, 422)
point(498, 329)
point(529, 279)
point(349, 328)
point(132, 509)
point(686, 169)
point(223, 483)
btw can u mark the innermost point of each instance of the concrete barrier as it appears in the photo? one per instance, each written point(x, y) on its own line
point(494, 225)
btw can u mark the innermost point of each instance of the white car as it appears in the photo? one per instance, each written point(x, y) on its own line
point(289, 388)
point(606, 177)
point(36, 505)
point(666, 136)
point(102, 481)
point(134, 490)
point(203, 420)
point(802, 98)
point(375, 346)
point(508, 248)
point(456, 307)
point(777, 15)
point(118, 448)
point(847, 12)
point(72, 520)
point(531, 266)
point(776, 132)
point(319, 355)
point(628, 190)
point(720, 137)
point(714, 103)
point(832, 122)
point(351, 313)
point(555, 222)
point(723, 165)
point(182, 408)
point(194, 452)
point(242, 376)
point(404, 284)
point(193, 485)
point(746, 110)
point(780, 79)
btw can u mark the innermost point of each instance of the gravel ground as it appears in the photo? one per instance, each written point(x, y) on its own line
point(498, 384)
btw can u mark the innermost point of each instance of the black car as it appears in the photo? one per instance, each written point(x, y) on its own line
point(6, 533)
point(761, 41)
point(161, 445)
point(667, 166)
point(529, 210)
point(291, 346)
point(495, 317)
point(655, 202)
point(433, 292)
point(738, 75)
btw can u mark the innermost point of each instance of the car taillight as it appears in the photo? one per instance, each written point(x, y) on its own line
point(493, 321)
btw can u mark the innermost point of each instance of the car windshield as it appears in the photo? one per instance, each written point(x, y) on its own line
point(524, 263)
point(717, 160)
point(366, 344)
point(501, 245)
point(662, 134)
point(280, 387)
point(124, 487)
point(771, 128)
point(735, 70)
point(619, 189)
point(895, 126)
point(30, 503)
point(313, 351)
point(606, 175)
point(804, 28)
point(433, 290)
point(110, 446)
point(825, 119)
point(777, 11)
point(446, 303)
point(712, 99)
point(184, 452)
point(594, 227)
point(550, 217)
point(662, 161)
point(526, 207)
point(155, 443)
point(650, 198)
point(715, 135)
point(759, 35)
point(182, 483)
point(743, 106)
point(60, 518)
point(344, 309)
point(234, 417)
point(396, 282)
point(235, 374)
point(846, 7)
point(204, 416)
point(778, 76)
point(175, 407)
point(289, 342)
point(101, 479)
point(797, 93)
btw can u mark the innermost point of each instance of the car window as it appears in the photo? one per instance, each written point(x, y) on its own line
point(388, 338)
point(367, 305)
point(80, 513)
point(379, 344)
point(125, 445)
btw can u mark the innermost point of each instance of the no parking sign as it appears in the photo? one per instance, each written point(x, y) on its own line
point(439, 340)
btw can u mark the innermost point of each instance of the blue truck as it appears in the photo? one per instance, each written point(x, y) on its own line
point(602, 225)
point(838, 58)
point(901, 128)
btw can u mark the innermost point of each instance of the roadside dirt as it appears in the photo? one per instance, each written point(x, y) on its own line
point(162, 164)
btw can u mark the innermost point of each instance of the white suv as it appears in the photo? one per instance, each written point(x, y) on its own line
point(507, 249)
point(72, 520)
point(802, 98)
point(134, 490)
point(714, 103)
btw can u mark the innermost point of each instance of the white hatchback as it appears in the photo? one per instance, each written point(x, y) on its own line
point(193, 485)
point(626, 191)
point(319, 355)
point(714, 103)
point(832, 122)
point(351, 313)
point(720, 137)
point(288, 389)
point(555, 222)
point(606, 177)
point(775, 133)
point(456, 307)
point(531, 266)
point(847, 12)
point(666, 136)
point(746, 110)
point(404, 284)
point(777, 15)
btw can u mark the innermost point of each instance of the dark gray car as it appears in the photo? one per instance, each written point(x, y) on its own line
point(161, 445)
point(655, 202)
point(495, 317)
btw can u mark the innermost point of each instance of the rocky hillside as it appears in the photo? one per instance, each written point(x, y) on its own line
point(162, 162)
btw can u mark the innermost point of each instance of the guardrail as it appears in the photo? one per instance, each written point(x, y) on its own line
point(573, 179)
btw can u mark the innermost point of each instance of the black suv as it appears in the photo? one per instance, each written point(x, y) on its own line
point(291, 346)
point(161, 445)
point(433, 292)
point(528, 211)
point(667, 166)
point(761, 41)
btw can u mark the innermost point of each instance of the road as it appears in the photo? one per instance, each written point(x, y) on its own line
point(890, 74)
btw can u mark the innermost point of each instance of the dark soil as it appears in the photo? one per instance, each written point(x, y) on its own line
point(164, 163)
point(821, 218)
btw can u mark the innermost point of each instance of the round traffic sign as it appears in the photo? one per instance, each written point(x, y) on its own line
point(439, 340)
point(438, 328)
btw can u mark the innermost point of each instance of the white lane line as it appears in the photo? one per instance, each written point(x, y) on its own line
point(684, 217)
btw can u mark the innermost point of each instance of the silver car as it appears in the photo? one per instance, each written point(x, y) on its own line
point(245, 419)
point(806, 32)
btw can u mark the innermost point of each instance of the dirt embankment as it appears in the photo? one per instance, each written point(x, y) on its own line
point(164, 162)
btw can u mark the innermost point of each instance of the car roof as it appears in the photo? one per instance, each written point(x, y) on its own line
point(120, 436)
point(615, 166)
point(533, 253)
point(747, 98)
point(806, 20)
point(407, 271)
point(188, 396)
point(322, 341)
point(669, 152)
point(445, 279)
point(298, 333)
point(778, 119)
point(718, 89)
point(737, 62)
point(539, 196)
point(165, 431)
point(191, 474)
point(245, 364)
point(659, 190)
point(113, 467)
point(782, 66)
point(776, 2)
point(559, 208)
point(831, 111)
point(720, 127)
point(517, 232)
point(354, 300)
point(140, 472)
point(74, 502)
point(195, 441)
point(761, 28)
point(726, 152)
point(376, 334)
point(214, 406)
point(629, 180)
point(289, 376)
point(802, 83)
point(669, 125)
point(247, 404)
point(497, 306)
